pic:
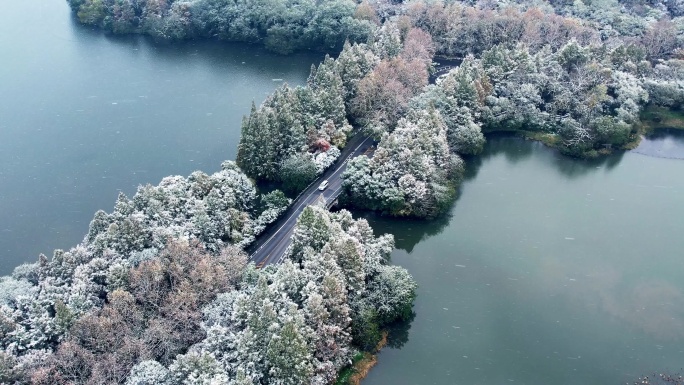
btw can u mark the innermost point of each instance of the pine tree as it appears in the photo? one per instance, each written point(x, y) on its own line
point(288, 354)
point(312, 230)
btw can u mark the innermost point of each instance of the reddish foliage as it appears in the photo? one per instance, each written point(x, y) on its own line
point(156, 317)
point(322, 145)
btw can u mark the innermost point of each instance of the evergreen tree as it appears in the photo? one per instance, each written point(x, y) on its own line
point(288, 354)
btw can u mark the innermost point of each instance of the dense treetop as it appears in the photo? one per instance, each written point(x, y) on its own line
point(158, 294)
point(213, 210)
point(412, 173)
point(281, 25)
point(298, 132)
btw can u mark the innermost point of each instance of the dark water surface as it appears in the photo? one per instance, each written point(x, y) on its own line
point(84, 115)
point(548, 271)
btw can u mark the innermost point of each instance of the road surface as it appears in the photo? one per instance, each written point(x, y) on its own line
point(270, 247)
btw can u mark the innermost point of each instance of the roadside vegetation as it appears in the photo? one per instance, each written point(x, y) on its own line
point(159, 293)
point(556, 73)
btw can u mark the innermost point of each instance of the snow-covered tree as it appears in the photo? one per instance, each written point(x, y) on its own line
point(295, 128)
point(149, 373)
point(412, 172)
point(382, 97)
point(288, 353)
point(292, 324)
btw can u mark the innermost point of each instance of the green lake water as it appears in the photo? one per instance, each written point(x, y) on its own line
point(548, 270)
point(84, 115)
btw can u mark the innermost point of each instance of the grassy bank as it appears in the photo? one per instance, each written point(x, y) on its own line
point(656, 118)
point(653, 118)
point(361, 365)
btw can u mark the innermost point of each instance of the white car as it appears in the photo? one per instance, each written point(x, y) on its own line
point(323, 185)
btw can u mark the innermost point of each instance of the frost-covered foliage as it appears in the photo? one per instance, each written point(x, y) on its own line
point(382, 97)
point(471, 27)
point(416, 167)
point(216, 209)
point(186, 314)
point(586, 98)
point(40, 302)
point(271, 206)
point(188, 317)
point(296, 128)
point(149, 373)
point(326, 159)
point(353, 64)
point(665, 85)
point(281, 25)
point(456, 97)
point(459, 29)
point(152, 317)
point(579, 72)
point(412, 173)
point(297, 323)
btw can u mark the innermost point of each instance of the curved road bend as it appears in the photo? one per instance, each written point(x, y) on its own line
point(271, 245)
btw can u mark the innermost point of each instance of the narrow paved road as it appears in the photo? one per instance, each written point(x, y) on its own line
point(270, 247)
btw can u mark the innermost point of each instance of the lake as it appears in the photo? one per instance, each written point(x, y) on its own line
point(547, 270)
point(84, 116)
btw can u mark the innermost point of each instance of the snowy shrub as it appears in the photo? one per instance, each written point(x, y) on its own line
point(11, 289)
point(297, 172)
point(196, 369)
point(326, 159)
point(149, 373)
point(27, 271)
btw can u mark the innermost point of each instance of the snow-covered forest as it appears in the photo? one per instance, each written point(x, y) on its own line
point(543, 70)
point(282, 26)
point(297, 133)
point(160, 292)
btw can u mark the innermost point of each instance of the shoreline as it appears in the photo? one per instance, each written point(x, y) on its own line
point(654, 122)
point(362, 364)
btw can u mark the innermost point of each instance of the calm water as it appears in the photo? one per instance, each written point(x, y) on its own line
point(84, 115)
point(548, 271)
